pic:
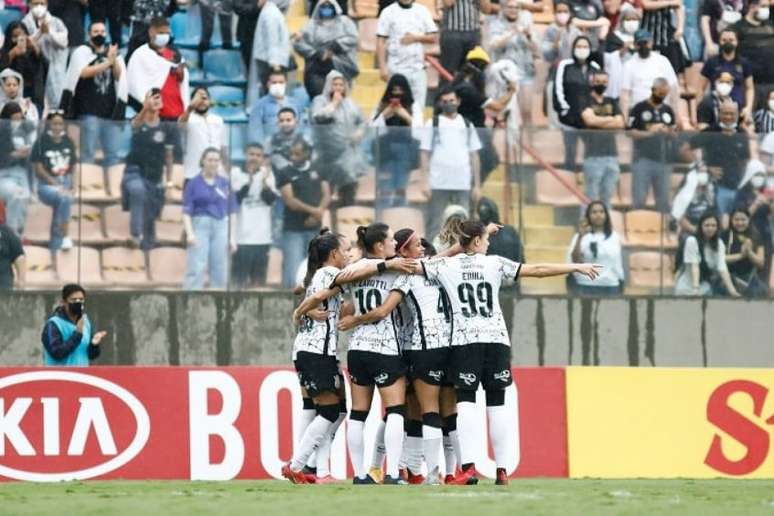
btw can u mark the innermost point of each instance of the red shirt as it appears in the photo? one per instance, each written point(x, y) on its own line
point(170, 91)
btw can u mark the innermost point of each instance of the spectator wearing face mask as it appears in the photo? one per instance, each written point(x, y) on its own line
point(107, 12)
point(143, 12)
point(50, 34)
point(203, 130)
point(755, 197)
point(559, 36)
point(271, 49)
point(263, 116)
point(23, 54)
point(756, 44)
point(68, 337)
point(730, 62)
point(764, 117)
point(716, 16)
point(619, 48)
point(707, 112)
point(327, 42)
point(695, 197)
point(12, 84)
point(665, 20)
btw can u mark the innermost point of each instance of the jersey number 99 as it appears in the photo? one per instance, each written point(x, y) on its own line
point(476, 301)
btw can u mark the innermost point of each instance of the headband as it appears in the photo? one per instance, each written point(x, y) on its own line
point(409, 239)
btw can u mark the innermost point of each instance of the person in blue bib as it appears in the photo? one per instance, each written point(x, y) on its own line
point(68, 338)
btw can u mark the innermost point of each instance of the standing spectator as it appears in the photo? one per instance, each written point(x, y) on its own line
point(460, 30)
point(403, 30)
point(338, 130)
point(50, 34)
point(756, 44)
point(247, 12)
point(570, 95)
point(764, 117)
point(695, 197)
point(142, 187)
point(108, 13)
point(652, 122)
point(16, 139)
point(54, 159)
point(271, 49)
point(157, 64)
point(665, 20)
point(619, 48)
point(289, 131)
point(729, 61)
point(559, 35)
point(306, 195)
point(208, 9)
point(71, 13)
point(641, 70)
point(96, 94)
point(601, 119)
point(13, 265)
point(256, 191)
point(450, 160)
point(596, 242)
point(396, 152)
point(202, 130)
point(756, 200)
point(746, 256)
point(23, 54)
point(143, 12)
point(506, 242)
point(327, 42)
point(716, 16)
point(68, 337)
point(208, 207)
point(12, 91)
point(700, 264)
point(589, 17)
point(263, 117)
point(707, 112)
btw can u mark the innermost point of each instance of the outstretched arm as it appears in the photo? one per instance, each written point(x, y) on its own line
point(377, 314)
point(365, 269)
point(545, 270)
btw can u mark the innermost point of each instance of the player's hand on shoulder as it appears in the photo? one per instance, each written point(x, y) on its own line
point(405, 265)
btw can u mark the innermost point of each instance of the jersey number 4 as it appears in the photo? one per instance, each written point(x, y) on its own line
point(476, 301)
point(368, 300)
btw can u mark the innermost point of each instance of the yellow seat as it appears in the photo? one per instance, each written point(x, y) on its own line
point(37, 228)
point(40, 267)
point(650, 269)
point(86, 224)
point(643, 228)
point(551, 191)
point(399, 218)
point(124, 266)
point(79, 265)
point(167, 265)
point(350, 217)
point(169, 227)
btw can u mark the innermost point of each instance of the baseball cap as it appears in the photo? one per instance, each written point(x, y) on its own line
point(642, 35)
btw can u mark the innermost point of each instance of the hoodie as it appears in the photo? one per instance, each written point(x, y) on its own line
point(339, 35)
point(28, 107)
point(506, 242)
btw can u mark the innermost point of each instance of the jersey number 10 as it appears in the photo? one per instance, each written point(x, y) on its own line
point(476, 301)
point(368, 300)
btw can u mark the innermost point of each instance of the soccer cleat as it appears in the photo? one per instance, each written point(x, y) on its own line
point(297, 477)
point(327, 479)
point(366, 480)
point(376, 474)
point(502, 477)
point(310, 474)
point(388, 480)
point(414, 479)
point(465, 477)
point(448, 479)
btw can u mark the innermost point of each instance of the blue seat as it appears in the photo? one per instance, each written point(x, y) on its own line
point(195, 72)
point(229, 103)
point(224, 67)
point(237, 137)
point(7, 16)
point(186, 33)
point(231, 114)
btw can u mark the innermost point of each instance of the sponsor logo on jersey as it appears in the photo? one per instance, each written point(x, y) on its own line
point(468, 378)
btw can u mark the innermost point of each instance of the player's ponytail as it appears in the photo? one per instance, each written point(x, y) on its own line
point(320, 249)
point(369, 236)
point(469, 230)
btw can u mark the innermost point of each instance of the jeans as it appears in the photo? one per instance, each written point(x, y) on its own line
point(249, 265)
point(61, 202)
point(145, 201)
point(724, 199)
point(439, 200)
point(647, 172)
point(15, 194)
point(601, 175)
point(209, 254)
point(394, 164)
point(294, 246)
point(109, 135)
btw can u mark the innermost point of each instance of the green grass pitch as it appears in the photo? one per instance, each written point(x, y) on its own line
point(266, 498)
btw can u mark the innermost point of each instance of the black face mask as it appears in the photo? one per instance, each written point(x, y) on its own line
point(202, 111)
point(98, 40)
point(657, 99)
point(76, 308)
point(599, 89)
point(727, 48)
point(643, 51)
point(406, 5)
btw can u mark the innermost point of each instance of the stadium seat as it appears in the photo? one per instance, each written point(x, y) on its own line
point(274, 268)
point(187, 34)
point(551, 191)
point(169, 227)
point(366, 189)
point(167, 265)
point(37, 228)
point(365, 9)
point(650, 269)
point(114, 176)
point(40, 267)
point(92, 187)
point(643, 228)
point(619, 224)
point(229, 103)
point(367, 29)
point(350, 217)
point(117, 224)
point(398, 218)
point(225, 67)
point(123, 266)
point(7, 16)
point(623, 196)
point(86, 224)
point(195, 72)
point(237, 138)
point(178, 178)
point(79, 265)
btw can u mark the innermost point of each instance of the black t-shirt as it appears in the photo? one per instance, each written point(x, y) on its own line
point(729, 152)
point(96, 95)
point(744, 267)
point(56, 157)
point(148, 149)
point(756, 44)
point(641, 117)
point(471, 103)
point(10, 250)
point(601, 142)
point(307, 188)
point(587, 10)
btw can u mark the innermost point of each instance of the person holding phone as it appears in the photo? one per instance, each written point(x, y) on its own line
point(68, 337)
point(596, 242)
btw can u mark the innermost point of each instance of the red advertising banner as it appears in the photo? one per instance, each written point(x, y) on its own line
point(207, 423)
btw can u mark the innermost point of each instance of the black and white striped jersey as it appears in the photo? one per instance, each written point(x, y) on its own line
point(425, 312)
point(320, 337)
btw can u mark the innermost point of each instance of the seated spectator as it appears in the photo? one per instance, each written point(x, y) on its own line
point(256, 191)
point(602, 118)
point(68, 337)
point(596, 242)
point(263, 116)
point(755, 197)
point(327, 42)
point(707, 113)
point(620, 48)
point(641, 70)
point(665, 20)
point(54, 159)
point(700, 264)
point(278, 149)
point(746, 255)
point(448, 235)
point(96, 93)
point(12, 91)
point(506, 242)
point(23, 54)
point(202, 130)
point(306, 194)
point(764, 117)
point(208, 206)
point(338, 130)
point(695, 197)
point(652, 123)
point(208, 9)
point(143, 186)
point(396, 152)
point(16, 139)
point(50, 34)
point(756, 33)
point(271, 49)
point(716, 16)
point(729, 61)
point(13, 266)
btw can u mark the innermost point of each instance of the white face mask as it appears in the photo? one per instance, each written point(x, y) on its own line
point(277, 90)
point(161, 40)
point(724, 89)
point(758, 182)
point(702, 178)
point(631, 26)
point(15, 124)
point(763, 14)
point(771, 105)
point(562, 18)
point(39, 11)
point(581, 54)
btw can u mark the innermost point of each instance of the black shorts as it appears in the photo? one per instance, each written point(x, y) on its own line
point(368, 368)
point(317, 373)
point(489, 364)
point(431, 365)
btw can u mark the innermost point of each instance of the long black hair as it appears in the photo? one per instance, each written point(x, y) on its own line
point(406, 100)
point(8, 44)
point(369, 236)
point(318, 252)
point(608, 226)
point(402, 237)
point(751, 232)
point(704, 271)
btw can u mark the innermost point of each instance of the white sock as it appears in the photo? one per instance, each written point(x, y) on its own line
point(315, 433)
point(322, 461)
point(377, 459)
point(499, 433)
point(466, 431)
point(404, 454)
point(355, 445)
point(393, 442)
point(431, 440)
point(455, 440)
point(414, 452)
point(449, 455)
point(307, 415)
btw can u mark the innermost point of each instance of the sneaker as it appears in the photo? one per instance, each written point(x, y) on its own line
point(414, 479)
point(502, 477)
point(67, 244)
point(466, 477)
point(366, 480)
point(388, 480)
point(327, 479)
point(448, 479)
point(297, 477)
point(376, 474)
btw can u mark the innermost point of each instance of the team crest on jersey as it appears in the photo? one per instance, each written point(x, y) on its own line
point(666, 118)
point(503, 376)
point(381, 378)
point(468, 378)
point(435, 375)
point(314, 176)
point(158, 136)
point(647, 116)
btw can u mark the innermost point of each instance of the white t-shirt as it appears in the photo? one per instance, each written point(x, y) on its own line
point(450, 153)
point(254, 216)
point(608, 255)
point(426, 313)
point(393, 24)
point(639, 74)
point(201, 132)
point(767, 147)
point(716, 261)
point(473, 284)
point(320, 337)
